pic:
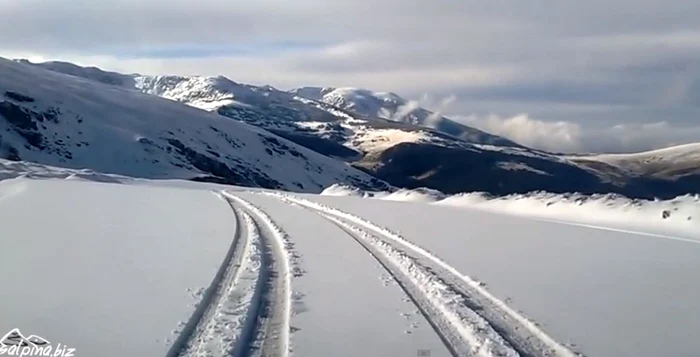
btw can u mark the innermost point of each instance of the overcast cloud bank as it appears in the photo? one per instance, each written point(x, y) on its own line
point(579, 67)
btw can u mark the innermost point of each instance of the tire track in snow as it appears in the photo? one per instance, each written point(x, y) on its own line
point(273, 319)
point(221, 320)
point(521, 333)
point(462, 331)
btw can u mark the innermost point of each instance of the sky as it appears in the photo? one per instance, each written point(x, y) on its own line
point(560, 75)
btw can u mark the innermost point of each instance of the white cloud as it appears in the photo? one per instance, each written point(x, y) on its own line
point(571, 137)
point(290, 70)
point(437, 105)
point(551, 136)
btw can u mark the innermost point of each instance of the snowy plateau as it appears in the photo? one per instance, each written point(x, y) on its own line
point(134, 225)
point(119, 266)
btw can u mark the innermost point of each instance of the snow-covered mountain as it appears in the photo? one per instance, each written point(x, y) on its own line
point(311, 103)
point(408, 146)
point(391, 106)
point(68, 121)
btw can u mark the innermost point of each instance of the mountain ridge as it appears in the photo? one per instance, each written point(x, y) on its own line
point(392, 139)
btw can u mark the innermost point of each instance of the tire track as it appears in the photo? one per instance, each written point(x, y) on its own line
point(218, 323)
point(519, 332)
point(459, 329)
point(272, 326)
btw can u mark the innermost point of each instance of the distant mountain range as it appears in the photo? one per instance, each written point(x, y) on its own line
point(391, 139)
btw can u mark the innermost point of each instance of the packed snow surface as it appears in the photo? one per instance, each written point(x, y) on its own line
point(176, 268)
point(108, 269)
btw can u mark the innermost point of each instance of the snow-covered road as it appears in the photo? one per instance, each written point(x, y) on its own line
point(215, 271)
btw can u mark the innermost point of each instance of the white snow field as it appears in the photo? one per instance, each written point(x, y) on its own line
point(108, 269)
point(176, 268)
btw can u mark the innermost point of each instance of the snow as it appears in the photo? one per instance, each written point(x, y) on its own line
point(279, 314)
point(610, 293)
point(416, 195)
point(347, 300)
point(207, 93)
point(603, 210)
point(344, 116)
point(381, 139)
point(518, 151)
point(343, 190)
point(114, 265)
point(219, 330)
point(519, 166)
point(108, 269)
point(378, 273)
point(23, 169)
point(610, 211)
point(362, 101)
point(216, 104)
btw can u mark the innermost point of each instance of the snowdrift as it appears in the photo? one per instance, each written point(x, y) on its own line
point(681, 214)
point(22, 169)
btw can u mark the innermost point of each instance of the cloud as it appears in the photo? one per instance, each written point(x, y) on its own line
point(628, 61)
point(568, 137)
point(438, 106)
point(641, 137)
point(404, 110)
point(550, 136)
point(291, 69)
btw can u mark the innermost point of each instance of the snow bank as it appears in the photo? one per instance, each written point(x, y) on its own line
point(680, 214)
point(22, 169)
point(426, 195)
point(343, 190)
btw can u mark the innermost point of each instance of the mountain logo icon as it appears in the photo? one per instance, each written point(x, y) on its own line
point(16, 338)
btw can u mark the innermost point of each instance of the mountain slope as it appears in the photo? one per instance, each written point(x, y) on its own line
point(67, 121)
